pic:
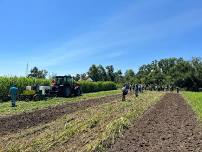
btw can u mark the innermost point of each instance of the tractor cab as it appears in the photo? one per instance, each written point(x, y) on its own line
point(64, 86)
point(64, 80)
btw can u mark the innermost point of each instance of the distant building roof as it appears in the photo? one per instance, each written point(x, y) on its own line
point(86, 79)
point(89, 79)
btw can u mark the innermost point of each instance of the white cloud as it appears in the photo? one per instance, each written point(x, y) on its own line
point(111, 35)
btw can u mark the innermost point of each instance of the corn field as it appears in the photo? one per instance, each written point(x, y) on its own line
point(20, 82)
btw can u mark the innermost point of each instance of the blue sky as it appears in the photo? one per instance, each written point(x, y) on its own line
point(67, 36)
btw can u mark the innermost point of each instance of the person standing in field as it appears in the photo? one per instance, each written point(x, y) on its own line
point(133, 87)
point(178, 89)
point(136, 90)
point(130, 87)
point(13, 92)
point(124, 92)
point(141, 88)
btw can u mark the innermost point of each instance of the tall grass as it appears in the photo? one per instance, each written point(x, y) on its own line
point(195, 100)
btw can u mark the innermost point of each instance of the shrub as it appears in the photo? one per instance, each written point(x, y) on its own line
point(97, 86)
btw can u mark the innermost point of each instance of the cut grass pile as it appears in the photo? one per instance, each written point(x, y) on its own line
point(6, 109)
point(86, 130)
point(195, 100)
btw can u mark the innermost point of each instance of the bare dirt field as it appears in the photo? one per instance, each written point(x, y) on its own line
point(170, 125)
point(12, 124)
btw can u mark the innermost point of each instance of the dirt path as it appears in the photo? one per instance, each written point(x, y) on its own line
point(168, 126)
point(11, 124)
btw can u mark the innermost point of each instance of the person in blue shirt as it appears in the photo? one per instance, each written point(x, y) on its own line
point(13, 92)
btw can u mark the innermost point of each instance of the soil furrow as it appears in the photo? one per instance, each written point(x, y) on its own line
point(12, 124)
point(170, 125)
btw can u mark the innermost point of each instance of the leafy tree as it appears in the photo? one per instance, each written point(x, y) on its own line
point(83, 76)
point(36, 73)
point(129, 75)
point(93, 73)
point(102, 73)
point(118, 76)
point(110, 72)
point(77, 77)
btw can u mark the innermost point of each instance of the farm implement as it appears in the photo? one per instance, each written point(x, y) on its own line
point(62, 86)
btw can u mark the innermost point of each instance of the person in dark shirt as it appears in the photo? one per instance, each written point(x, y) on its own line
point(124, 92)
point(136, 90)
point(178, 89)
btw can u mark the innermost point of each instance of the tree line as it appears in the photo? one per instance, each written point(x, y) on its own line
point(101, 73)
point(174, 72)
point(95, 72)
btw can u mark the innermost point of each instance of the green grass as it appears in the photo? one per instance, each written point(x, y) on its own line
point(6, 109)
point(86, 130)
point(195, 100)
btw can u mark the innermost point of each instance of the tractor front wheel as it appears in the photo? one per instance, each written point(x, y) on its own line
point(36, 97)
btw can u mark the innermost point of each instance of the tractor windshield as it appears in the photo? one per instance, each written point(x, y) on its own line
point(69, 80)
point(66, 80)
point(59, 80)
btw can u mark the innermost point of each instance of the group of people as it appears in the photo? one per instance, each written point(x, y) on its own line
point(139, 88)
point(162, 88)
point(136, 88)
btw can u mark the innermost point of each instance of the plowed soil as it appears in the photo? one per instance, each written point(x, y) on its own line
point(170, 125)
point(11, 124)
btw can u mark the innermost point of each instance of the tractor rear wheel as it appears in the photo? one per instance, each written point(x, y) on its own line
point(78, 92)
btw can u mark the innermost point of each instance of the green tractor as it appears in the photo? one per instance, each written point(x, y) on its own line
point(64, 86)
